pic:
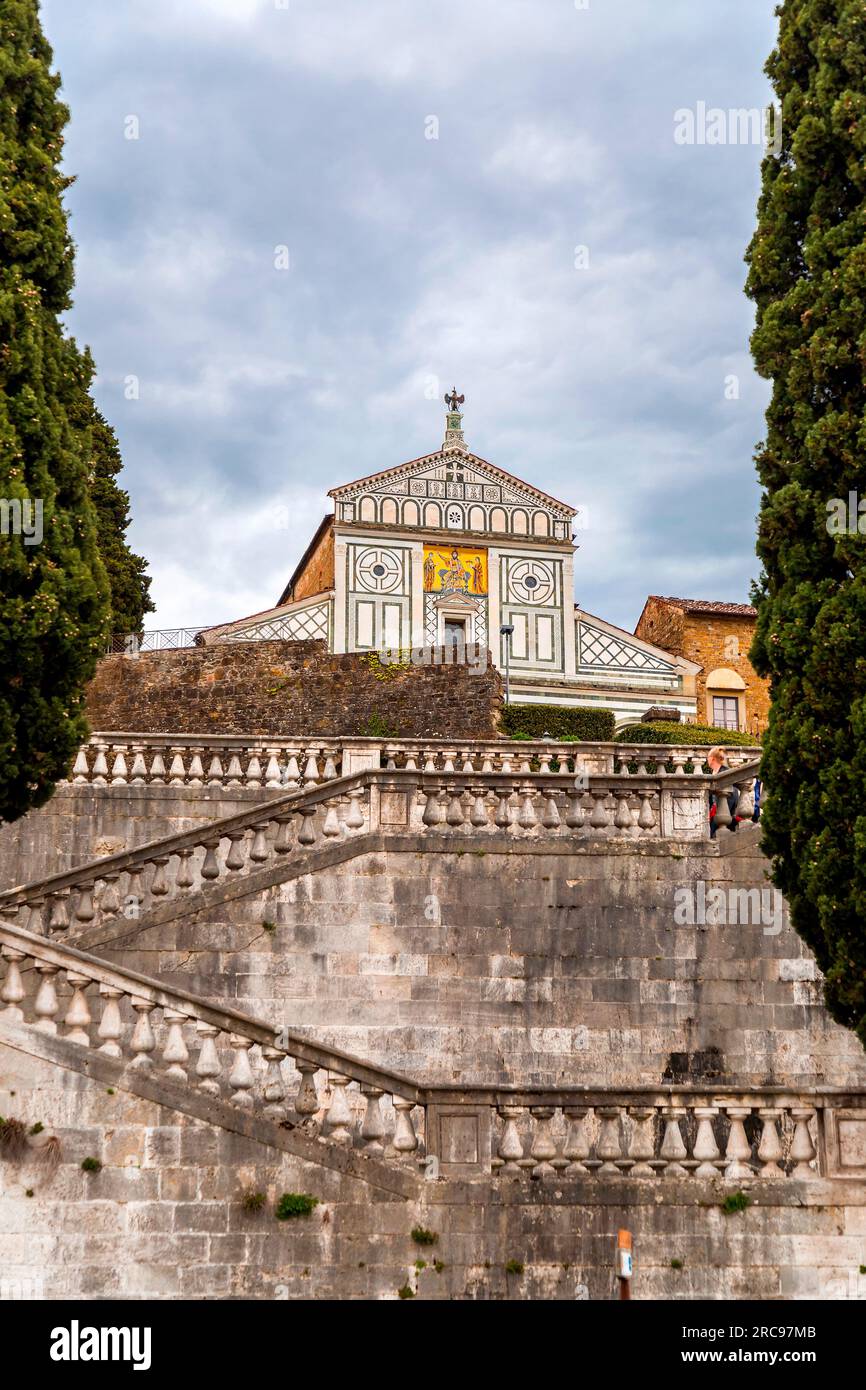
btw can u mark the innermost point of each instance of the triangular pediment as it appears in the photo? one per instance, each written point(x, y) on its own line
point(454, 474)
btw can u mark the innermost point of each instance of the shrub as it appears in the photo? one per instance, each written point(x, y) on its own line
point(702, 735)
point(514, 1267)
point(560, 721)
point(295, 1204)
point(406, 1292)
point(422, 1236)
point(734, 1202)
point(91, 1165)
point(253, 1201)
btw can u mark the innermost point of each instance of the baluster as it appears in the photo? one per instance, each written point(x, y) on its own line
point(46, 1004)
point(311, 770)
point(196, 770)
point(448, 756)
point(527, 819)
point(609, 1146)
point(177, 771)
point(119, 774)
point(208, 1066)
point(544, 758)
point(59, 917)
point(175, 1053)
point(254, 771)
point(600, 818)
point(543, 1148)
point(429, 756)
point(110, 1025)
point(373, 1127)
point(215, 771)
point(803, 1151)
point(746, 802)
point(12, 991)
point(80, 770)
point(623, 818)
point(576, 1148)
point(283, 837)
point(770, 1147)
point(432, 810)
point(184, 878)
point(723, 811)
point(550, 817)
point(410, 762)
point(646, 817)
point(468, 766)
point(502, 818)
point(99, 777)
point(138, 773)
point(109, 901)
point(673, 1149)
point(454, 816)
point(241, 1079)
point(510, 1143)
point(679, 757)
point(355, 818)
point(706, 1149)
point(331, 824)
point(405, 1139)
point(142, 1042)
point(260, 850)
point(273, 771)
point(274, 1091)
point(157, 769)
point(478, 814)
point(307, 832)
point(330, 755)
point(307, 1098)
point(292, 775)
point(575, 815)
point(234, 772)
point(35, 920)
point(159, 883)
point(642, 1147)
point(77, 1020)
point(210, 868)
point(339, 1116)
point(738, 1149)
point(84, 910)
point(487, 764)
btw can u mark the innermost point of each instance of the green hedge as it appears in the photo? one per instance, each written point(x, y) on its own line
point(562, 722)
point(702, 735)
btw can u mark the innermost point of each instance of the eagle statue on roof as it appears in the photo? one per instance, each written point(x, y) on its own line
point(454, 401)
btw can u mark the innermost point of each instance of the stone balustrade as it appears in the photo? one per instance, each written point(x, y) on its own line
point(726, 1134)
point(529, 805)
point(130, 760)
point(211, 760)
point(177, 1038)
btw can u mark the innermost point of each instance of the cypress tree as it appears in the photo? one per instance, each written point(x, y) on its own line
point(807, 276)
point(54, 592)
point(128, 580)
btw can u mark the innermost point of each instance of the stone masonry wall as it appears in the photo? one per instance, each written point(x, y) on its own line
point(278, 688)
point(164, 1219)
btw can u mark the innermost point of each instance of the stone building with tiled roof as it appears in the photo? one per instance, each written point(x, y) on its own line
point(717, 636)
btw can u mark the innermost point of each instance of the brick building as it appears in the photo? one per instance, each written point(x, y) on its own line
point(717, 636)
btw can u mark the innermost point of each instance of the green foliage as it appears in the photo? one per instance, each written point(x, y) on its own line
point(378, 727)
point(514, 1267)
point(736, 1201)
point(253, 1201)
point(128, 580)
point(701, 735)
point(439, 1265)
point(807, 276)
point(406, 1292)
point(91, 1165)
point(420, 1264)
point(54, 593)
point(422, 1236)
point(37, 1128)
point(676, 1264)
point(293, 1204)
point(562, 722)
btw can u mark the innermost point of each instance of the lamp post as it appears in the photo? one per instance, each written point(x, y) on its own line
point(507, 631)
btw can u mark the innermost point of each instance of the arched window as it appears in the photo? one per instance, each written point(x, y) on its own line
point(498, 520)
point(476, 519)
point(410, 514)
point(541, 524)
point(432, 515)
point(389, 510)
point(520, 522)
point(368, 509)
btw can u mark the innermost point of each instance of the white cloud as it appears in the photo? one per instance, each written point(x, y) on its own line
point(537, 153)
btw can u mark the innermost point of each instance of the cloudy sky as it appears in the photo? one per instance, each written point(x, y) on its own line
point(486, 194)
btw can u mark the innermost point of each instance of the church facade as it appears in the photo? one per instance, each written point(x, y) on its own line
point(448, 553)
